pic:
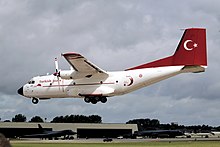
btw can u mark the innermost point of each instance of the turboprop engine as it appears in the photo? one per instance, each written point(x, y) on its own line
point(67, 74)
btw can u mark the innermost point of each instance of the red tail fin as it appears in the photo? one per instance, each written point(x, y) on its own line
point(190, 51)
point(192, 48)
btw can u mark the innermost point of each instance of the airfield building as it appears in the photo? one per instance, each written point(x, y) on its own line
point(84, 130)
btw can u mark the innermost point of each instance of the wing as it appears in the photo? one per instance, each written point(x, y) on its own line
point(81, 64)
point(46, 135)
point(36, 136)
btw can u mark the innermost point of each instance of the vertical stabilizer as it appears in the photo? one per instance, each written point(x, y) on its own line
point(192, 48)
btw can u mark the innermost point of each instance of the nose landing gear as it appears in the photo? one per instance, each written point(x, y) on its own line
point(35, 100)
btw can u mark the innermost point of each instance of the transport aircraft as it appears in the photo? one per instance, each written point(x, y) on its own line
point(159, 133)
point(88, 81)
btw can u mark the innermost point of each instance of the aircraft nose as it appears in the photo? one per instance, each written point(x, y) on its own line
point(20, 91)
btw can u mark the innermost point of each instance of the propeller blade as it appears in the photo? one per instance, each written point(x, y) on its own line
point(56, 65)
point(58, 80)
point(57, 72)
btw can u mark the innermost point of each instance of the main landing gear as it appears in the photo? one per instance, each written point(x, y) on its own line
point(94, 100)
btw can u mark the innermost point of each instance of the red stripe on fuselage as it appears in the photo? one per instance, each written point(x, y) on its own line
point(80, 84)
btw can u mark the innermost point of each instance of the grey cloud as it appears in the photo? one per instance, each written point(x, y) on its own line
point(114, 35)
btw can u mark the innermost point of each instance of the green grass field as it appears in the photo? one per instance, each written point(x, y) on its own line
point(138, 144)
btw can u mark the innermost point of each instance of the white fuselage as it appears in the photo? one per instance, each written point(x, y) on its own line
point(116, 83)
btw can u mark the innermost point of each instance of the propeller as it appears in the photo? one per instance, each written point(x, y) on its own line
point(56, 66)
point(57, 72)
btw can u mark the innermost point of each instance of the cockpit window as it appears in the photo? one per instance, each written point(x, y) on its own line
point(31, 82)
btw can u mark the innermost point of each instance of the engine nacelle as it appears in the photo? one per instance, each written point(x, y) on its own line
point(67, 74)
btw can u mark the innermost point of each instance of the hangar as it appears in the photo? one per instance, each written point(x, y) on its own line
point(84, 130)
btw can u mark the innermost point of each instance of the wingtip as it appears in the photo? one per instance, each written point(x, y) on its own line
point(69, 53)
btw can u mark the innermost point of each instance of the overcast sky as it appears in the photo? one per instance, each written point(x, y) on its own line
point(114, 35)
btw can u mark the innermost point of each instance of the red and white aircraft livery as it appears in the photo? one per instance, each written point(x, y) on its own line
point(88, 81)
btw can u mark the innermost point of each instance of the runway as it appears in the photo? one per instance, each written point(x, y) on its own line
point(99, 140)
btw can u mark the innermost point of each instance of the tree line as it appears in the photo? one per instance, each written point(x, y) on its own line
point(77, 119)
point(154, 124)
point(59, 119)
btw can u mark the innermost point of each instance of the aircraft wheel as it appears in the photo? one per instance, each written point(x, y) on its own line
point(97, 98)
point(35, 100)
point(93, 101)
point(103, 99)
point(87, 100)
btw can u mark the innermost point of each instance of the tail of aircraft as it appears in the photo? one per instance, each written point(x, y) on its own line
point(40, 127)
point(191, 51)
point(192, 48)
